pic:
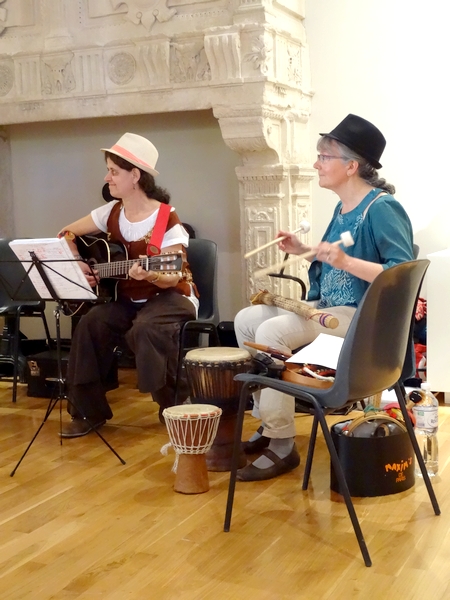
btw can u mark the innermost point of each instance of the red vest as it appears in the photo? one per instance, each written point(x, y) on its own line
point(142, 290)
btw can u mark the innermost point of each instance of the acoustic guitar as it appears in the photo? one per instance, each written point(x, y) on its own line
point(111, 263)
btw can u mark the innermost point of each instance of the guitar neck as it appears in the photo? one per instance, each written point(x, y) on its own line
point(121, 267)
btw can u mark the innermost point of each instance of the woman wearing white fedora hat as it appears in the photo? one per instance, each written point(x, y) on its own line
point(347, 164)
point(150, 305)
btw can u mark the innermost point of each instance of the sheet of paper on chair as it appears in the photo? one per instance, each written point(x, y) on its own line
point(324, 351)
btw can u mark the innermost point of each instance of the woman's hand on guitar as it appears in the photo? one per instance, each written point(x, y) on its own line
point(89, 273)
point(137, 272)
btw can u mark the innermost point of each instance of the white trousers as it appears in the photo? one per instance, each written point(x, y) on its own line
point(286, 331)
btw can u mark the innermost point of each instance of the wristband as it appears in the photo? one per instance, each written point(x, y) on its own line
point(156, 278)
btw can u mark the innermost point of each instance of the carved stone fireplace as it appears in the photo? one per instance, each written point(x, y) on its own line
point(247, 60)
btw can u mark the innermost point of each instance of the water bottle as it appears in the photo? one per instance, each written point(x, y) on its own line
point(425, 410)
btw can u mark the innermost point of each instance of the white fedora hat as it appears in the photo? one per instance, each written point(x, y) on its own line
point(137, 150)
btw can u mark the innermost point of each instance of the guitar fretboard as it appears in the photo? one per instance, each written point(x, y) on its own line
point(162, 263)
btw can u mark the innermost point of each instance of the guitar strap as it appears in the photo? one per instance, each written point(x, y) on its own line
point(156, 238)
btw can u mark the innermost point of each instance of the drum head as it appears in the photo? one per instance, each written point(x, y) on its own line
point(217, 354)
point(191, 411)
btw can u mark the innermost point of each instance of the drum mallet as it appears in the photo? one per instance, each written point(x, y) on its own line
point(346, 240)
point(304, 227)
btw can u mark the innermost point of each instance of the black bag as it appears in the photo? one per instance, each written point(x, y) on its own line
point(376, 455)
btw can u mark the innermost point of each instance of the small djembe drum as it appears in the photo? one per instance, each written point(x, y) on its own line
point(192, 429)
point(210, 373)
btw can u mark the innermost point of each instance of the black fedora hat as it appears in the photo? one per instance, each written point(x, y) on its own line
point(361, 136)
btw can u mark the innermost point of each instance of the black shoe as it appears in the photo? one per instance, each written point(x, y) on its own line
point(257, 445)
point(279, 467)
point(79, 428)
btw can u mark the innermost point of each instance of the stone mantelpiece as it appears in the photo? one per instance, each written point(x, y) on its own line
point(247, 60)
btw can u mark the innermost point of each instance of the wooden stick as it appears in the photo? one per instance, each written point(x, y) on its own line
point(295, 259)
point(269, 350)
point(304, 227)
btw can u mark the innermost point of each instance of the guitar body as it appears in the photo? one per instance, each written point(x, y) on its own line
point(110, 260)
point(96, 249)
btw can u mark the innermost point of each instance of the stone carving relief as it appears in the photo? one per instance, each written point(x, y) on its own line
point(16, 13)
point(6, 78)
point(58, 77)
point(224, 55)
point(3, 13)
point(122, 68)
point(102, 8)
point(145, 12)
point(260, 54)
point(189, 62)
point(294, 68)
point(156, 59)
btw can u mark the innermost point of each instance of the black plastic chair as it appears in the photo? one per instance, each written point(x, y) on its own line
point(369, 363)
point(18, 298)
point(202, 259)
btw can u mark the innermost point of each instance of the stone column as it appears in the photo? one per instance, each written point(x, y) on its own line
point(274, 191)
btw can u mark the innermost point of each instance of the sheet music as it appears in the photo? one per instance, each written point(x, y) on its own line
point(324, 351)
point(68, 281)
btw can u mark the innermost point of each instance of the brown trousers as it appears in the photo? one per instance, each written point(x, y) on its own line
point(152, 331)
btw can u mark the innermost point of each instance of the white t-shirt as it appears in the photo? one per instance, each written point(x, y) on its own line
point(132, 232)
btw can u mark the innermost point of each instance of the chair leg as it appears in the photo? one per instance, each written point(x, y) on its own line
point(311, 447)
point(236, 455)
point(400, 392)
point(343, 487)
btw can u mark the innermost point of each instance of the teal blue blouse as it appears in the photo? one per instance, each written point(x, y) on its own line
point(383, 235)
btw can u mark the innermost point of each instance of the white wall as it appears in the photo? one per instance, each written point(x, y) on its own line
point(386, 60)
point(58, 173)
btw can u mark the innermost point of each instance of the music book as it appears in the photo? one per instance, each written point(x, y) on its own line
point(63, 272)
point(323, 351)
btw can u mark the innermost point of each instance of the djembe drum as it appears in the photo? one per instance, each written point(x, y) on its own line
point(210, 373)
point(192, 429)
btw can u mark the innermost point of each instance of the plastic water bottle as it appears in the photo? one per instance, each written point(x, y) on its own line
point(425, 410)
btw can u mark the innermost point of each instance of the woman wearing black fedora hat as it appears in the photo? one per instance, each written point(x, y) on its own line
point(347, 164)
point(150, 306)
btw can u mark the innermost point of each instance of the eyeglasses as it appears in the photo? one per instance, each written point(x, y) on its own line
point(326, 157)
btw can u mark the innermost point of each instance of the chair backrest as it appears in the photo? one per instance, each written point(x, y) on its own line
point(202, 259)
point(374, 349)
point(15, 287)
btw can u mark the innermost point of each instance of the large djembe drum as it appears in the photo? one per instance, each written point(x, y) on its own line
point(210, 373)
point(192, 429)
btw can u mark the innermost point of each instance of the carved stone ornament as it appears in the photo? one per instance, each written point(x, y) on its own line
point(6, 79)
point(189, 62)
point(260, 54)
point(58, 77)
point(3, 15)
point(146, 11)
point(122, 68)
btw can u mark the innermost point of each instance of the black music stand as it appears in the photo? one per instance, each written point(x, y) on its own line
point(61, 288)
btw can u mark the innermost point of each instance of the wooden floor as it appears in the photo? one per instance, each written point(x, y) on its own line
point(77, 524)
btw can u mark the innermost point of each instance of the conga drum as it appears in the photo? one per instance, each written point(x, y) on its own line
point(210, 373)
point(192, 429)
